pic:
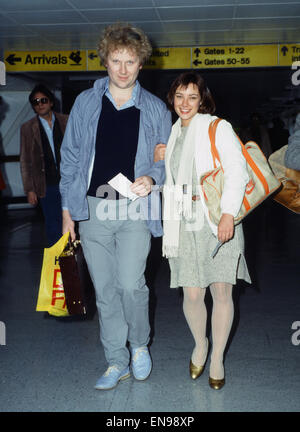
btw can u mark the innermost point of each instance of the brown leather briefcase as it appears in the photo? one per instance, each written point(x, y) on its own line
point(74, 274)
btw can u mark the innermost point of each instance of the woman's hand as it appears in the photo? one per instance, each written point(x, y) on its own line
point(142, 186)
point(226, 227)
point(159, 152)
point(68, 224)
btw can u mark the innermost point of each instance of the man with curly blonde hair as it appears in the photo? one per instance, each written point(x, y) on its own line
point(124, 35)
point(113, 128)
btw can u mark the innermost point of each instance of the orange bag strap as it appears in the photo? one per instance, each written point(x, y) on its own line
point(255, 168)
point(212, 136)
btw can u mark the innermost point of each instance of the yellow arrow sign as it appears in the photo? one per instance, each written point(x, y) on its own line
point(73, 60)
point(169, 58)
point(235, 56)
point(161, 58)
point(93, 61)
point(289, 54)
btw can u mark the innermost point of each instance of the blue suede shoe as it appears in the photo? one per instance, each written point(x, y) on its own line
point(141, 363)
point(111, 378)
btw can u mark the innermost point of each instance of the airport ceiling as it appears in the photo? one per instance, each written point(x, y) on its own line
point(71, 24)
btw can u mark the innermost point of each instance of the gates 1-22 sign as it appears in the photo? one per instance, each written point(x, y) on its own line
point(235, 56)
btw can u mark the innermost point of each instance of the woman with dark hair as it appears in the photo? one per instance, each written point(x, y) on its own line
point(189, 236)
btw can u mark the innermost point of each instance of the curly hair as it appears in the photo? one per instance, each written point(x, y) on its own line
point(124, 35)
point(183, 80)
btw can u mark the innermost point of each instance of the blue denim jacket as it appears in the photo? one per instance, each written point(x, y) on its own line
point(78, 148)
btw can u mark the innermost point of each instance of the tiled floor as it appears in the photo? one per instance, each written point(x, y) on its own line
point(52, 365)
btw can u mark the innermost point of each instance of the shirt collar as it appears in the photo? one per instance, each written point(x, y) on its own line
point(135, 91)
point(45, 121)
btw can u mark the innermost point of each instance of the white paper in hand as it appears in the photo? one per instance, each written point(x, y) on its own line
point(121, 184)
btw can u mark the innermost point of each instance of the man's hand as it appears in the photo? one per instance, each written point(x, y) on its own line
point(226, 227)
point(68, 224)
point(159, 152)
point(142, 186)
point(32, 198)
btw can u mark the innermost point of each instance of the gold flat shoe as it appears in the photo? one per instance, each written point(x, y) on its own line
point(216, 384)
point(196, 371)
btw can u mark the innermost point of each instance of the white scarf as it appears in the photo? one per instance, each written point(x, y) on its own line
point(177, 198)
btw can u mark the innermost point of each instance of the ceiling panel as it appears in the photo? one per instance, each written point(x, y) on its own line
point(268, 11)
point(34, 23)
point(259, 2)
point(196, 13)
point(14, 31)
point(110, 4)
point(47, 30)
point(183, 3)
point(33, 5)
point(4, 20)
point(275, 23)
point(51, 17)
point(124, 14)
point(150, 27)
point(196, 27)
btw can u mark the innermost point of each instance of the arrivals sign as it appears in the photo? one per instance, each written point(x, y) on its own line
point(45, 61)
point(201, 57)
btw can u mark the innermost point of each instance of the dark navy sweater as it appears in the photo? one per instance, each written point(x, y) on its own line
point(116, 144)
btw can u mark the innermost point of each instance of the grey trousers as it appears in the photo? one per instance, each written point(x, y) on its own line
point(116, 252)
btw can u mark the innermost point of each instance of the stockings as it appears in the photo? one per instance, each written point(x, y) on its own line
point(195, 314)
point(222, 316)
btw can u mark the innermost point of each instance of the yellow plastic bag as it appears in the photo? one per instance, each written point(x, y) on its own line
point(51, 296)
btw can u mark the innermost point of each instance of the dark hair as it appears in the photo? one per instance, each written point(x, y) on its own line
point(41, 88)
point(207, 106)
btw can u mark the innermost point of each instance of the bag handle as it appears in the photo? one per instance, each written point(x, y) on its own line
point(212, 136)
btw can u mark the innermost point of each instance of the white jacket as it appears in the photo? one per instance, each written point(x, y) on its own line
point(232, 160)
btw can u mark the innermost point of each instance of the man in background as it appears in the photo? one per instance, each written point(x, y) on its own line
point(41, 139)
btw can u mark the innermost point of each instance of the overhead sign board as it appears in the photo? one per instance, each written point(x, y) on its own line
point(45, 61)
point(234, 56)
point(289, 54)
point(202, 57)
